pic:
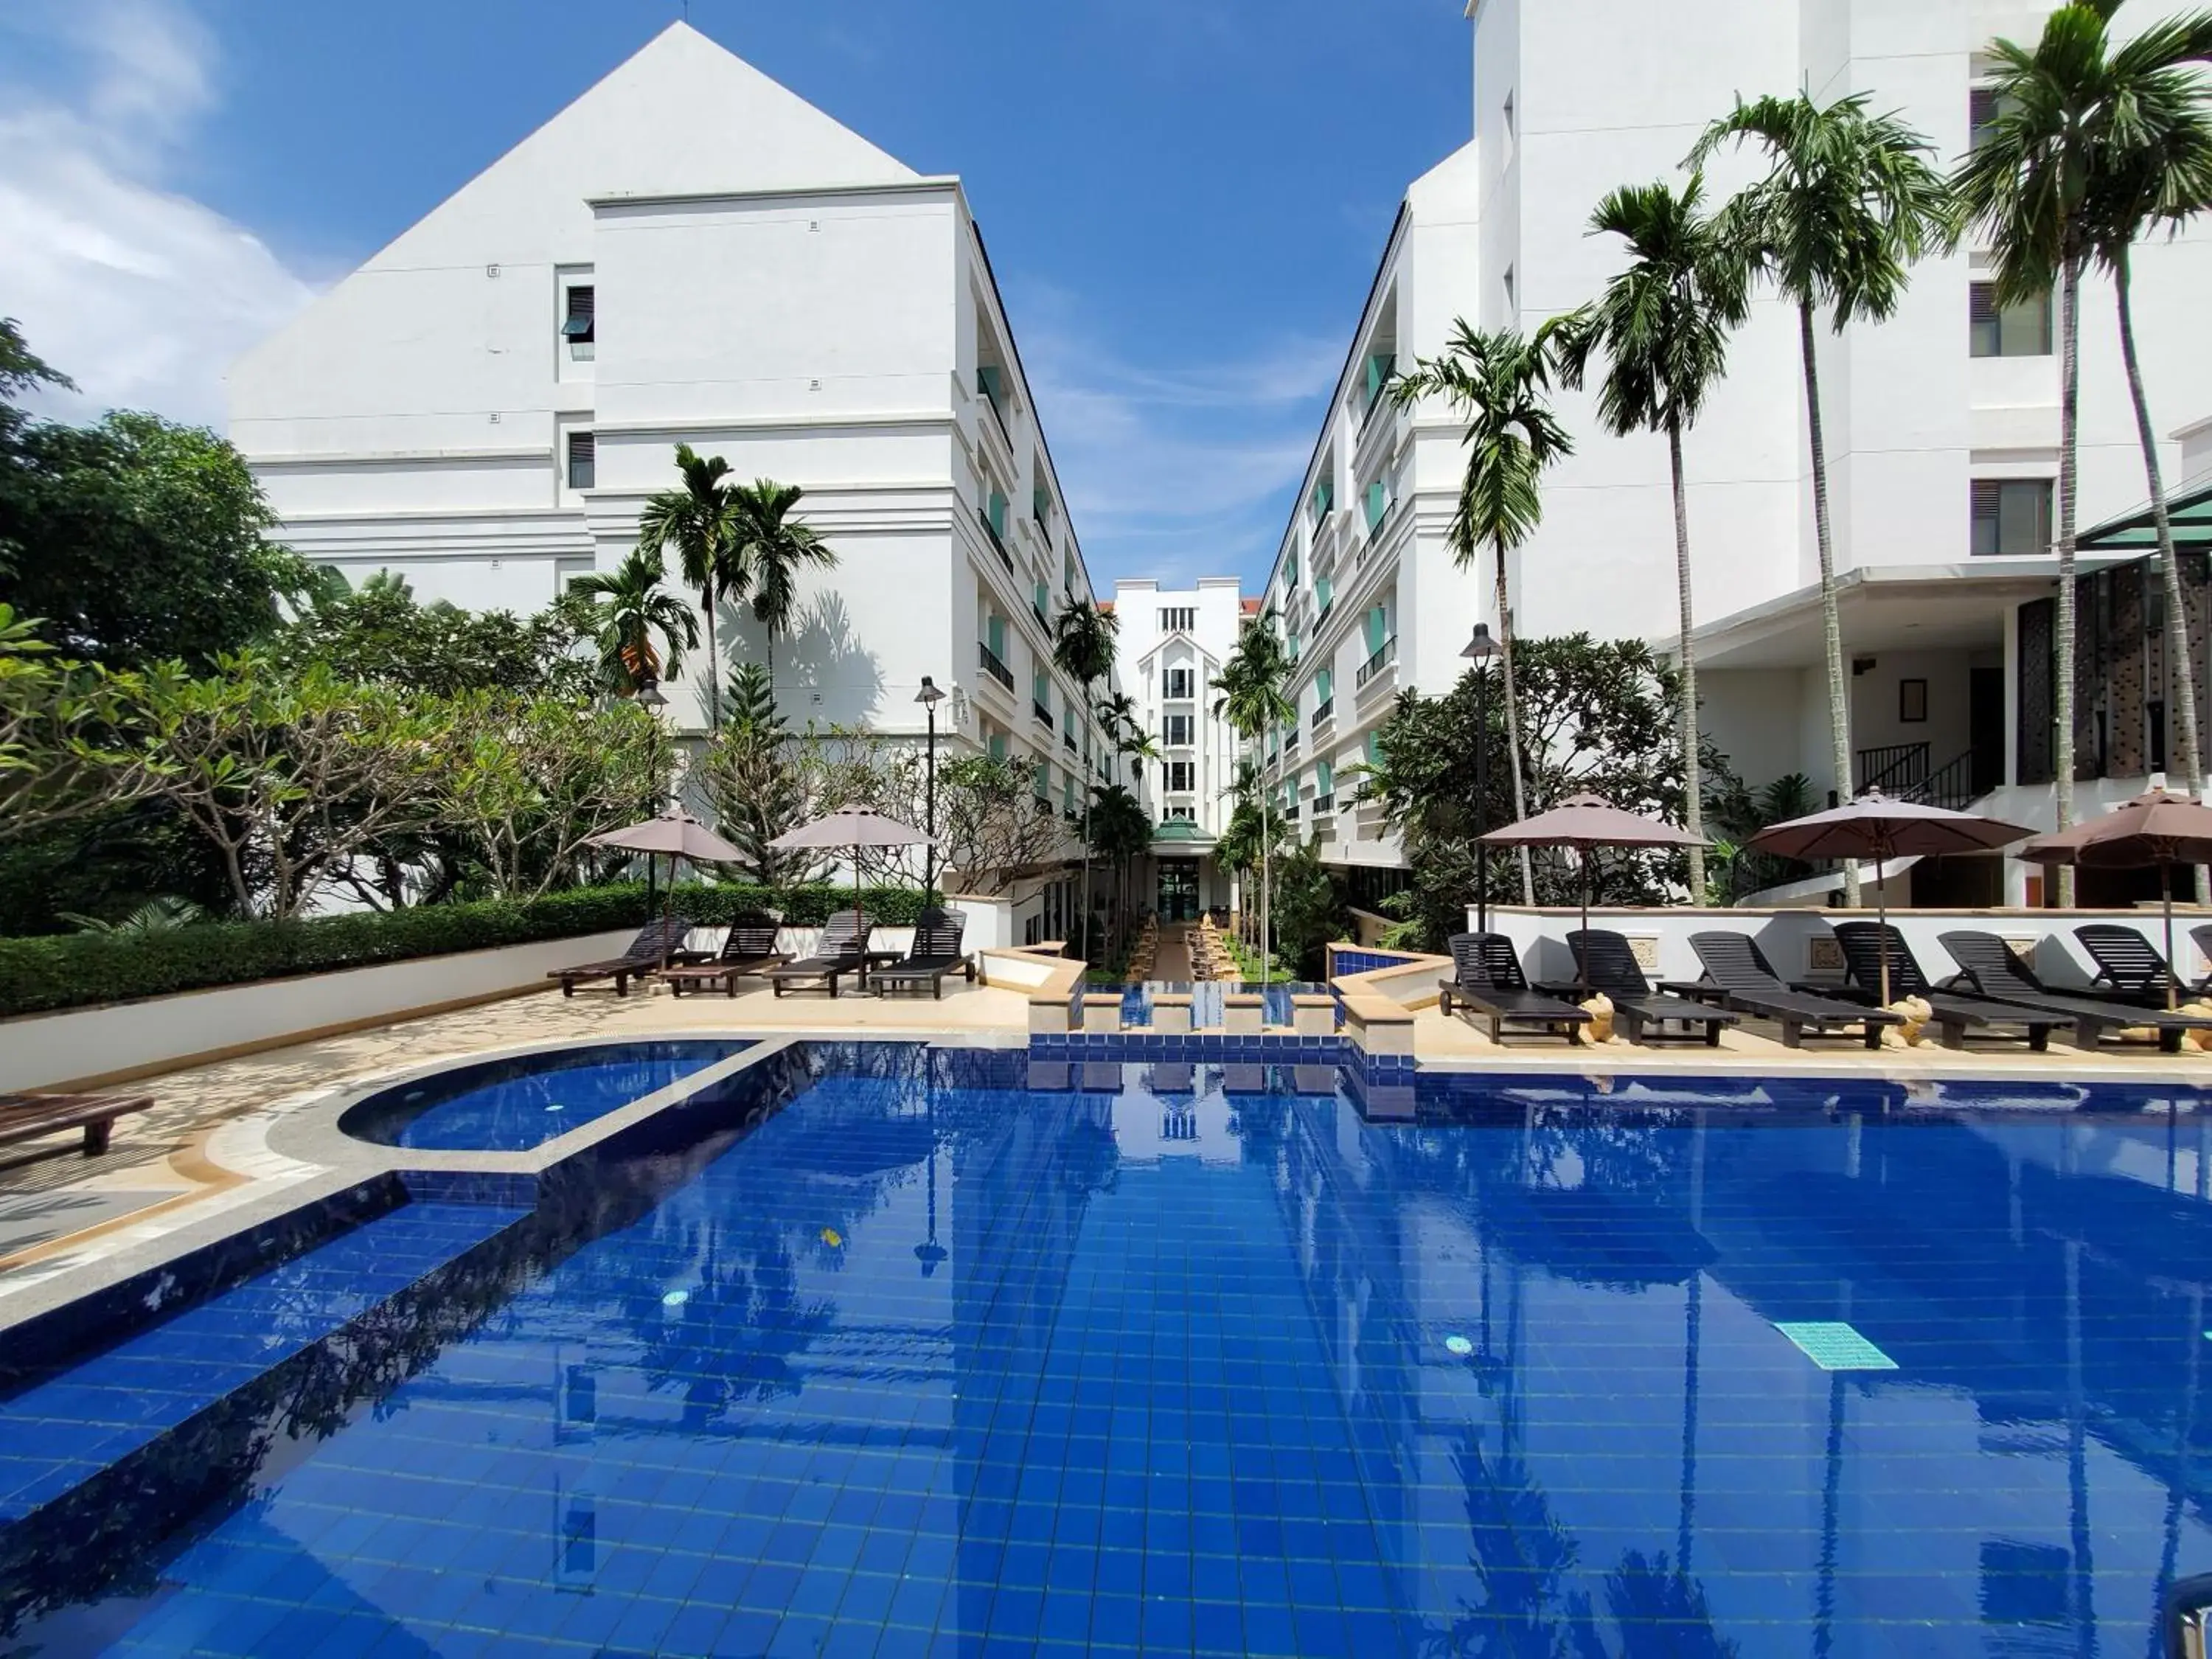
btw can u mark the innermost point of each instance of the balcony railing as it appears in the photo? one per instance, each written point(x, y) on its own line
point(1040, 714)
point(997, 670)
point(1324, 712)
point(1893, 769)
point(1290, 743)
point(1071, 815)
point(997, 540)
point(1043, 620)
point(1385, 654)
point(1067, 741)
point(1323, 805)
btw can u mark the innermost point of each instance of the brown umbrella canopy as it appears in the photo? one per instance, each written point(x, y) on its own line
point(851, 827)
point(2159, 828)
point(674, 834)
point(1586, 823)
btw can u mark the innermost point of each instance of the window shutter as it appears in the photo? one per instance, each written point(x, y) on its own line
point(1982, 301)
point(1987, 493)
point(998, 745)
point(578, 326)
point(988, 379)
point(1324, 686)
point(1374, 749)
point(997, 513)
point(1043, 596)
point(1378, 502)
point(1376, 623)
point(1322, 591)
point(1324, 777)
point(997, 632)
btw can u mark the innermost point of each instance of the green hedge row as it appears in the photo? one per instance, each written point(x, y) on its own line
point(73, 970)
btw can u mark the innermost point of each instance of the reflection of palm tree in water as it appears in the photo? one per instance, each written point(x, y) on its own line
point(1089, 1157)
point(733, 1337)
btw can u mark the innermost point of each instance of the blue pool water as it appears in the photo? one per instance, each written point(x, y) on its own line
point(512, 1105)
point(1182, 1360)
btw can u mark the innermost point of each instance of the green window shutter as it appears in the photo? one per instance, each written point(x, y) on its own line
point(1323, 592)
point(998, 745)
point(1043, 597)
point(1324, 686)
point(1377, 626)
point(990, 380)
point(1041, 503)
point(1324, 778)
point(1374, 748)
point(996, 633)
point(1324, 495)
point(1378, 503)
point(1040, 688)
point(1374, 377)
point(1291, 571)
point(1294, 645)
point(997, 513)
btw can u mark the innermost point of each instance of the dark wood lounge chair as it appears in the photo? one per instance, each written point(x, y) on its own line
point(934, 953)
point(2129, 966)
point(1747, 983)
point(1487, 981)
point(750, 949)
point(1990, 965)
point(31, 1117)
point(658, 943)
point(842, 950)
point(1954, 1014)
point(1609, 962)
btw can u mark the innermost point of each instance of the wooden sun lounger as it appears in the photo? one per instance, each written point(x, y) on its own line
point(1487, 981)
point(31, 1117)
point(842, 950)
point(1955, 1015)
point(1988, 964)
point(1609, 962)
point(657, 943)
point(1748, 983)
point(934, 954)
point(749, 949)
point(2129, 965)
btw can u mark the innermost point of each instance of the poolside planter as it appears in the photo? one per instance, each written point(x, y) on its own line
point(123, 1040)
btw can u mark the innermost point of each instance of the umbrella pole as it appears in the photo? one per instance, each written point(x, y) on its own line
point(1589, 853)
point(1881, 906)
point(668, 909)
point(2166, 899)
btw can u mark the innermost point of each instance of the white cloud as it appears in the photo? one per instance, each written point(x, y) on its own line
point(141, 294)
point(1176, 472)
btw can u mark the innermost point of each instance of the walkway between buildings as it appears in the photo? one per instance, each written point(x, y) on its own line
point(1171, 960)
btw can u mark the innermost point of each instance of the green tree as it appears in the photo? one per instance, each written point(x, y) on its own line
point(1502, 381)
point(1253, 701)
point(379, 634)
point(702, 521)
point(1083, 649)
point(1662, 325)
point(64, 728)
point(138, 540)
point(1850, 203)
point(629, 606)
point(775, 547)
point(2068, 144)
point(753, 777)
point(1309, 907)
point(1119, 829)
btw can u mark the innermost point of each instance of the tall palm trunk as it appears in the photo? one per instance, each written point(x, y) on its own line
point(1266, 956)
point(714, 684)
point(768, 641)
point(1832, 624)
point(1692, 774)
point(1513, 723)
point(2180, 672)
point(2069, 417)
point(1089, 788)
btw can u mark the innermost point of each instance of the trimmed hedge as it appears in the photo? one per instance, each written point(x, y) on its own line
point(76, 970)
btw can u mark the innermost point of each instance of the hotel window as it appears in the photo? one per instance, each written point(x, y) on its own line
point(579, 325)
point(1178, 729)
point(583, 460)
point(1984, 106)
point(1183, 814)
point(1182, 617)
point(1182, 777)
point(1178, 682)
point(2011, 515)
point(2015, 331)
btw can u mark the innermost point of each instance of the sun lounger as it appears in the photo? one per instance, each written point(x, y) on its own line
point(1487, 979)
point(1988, 964)
point(934, 953)
point(1955, 1015)
point(657, 943)
point(1609, 962)
point(749, 949)
point(842, 950)
point(1746, 982)
point(2129, 965)
point(30, 1117)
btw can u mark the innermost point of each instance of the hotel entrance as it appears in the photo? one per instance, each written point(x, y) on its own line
point(1178, 889)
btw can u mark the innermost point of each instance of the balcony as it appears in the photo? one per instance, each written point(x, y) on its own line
point(997, 540)
point(1291, 743)
point(1071, 815)
point(1323, 713)
point(997, 670)
point(1324, 805)
point(1043, 620)
point(1385, 657)
point(1040, 714)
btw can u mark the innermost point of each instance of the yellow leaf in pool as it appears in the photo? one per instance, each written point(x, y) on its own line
point(833, 1238)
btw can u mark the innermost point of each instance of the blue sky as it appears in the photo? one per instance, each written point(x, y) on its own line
point(1184, 199)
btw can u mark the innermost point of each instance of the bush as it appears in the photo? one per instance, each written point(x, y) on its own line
point(75, 970)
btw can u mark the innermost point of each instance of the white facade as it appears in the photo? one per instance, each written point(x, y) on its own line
point(762, 284)
point(1571, 98)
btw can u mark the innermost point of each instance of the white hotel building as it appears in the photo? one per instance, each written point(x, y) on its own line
point(1942, 432)
point(689, 253)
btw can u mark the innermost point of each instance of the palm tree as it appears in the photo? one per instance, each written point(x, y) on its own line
point(1083, 649)
point(2155, 169)
point(628, 606)
point(1253, 703)
point(1239, 847)
point(776, 548)
point(2048, 184)
point(1848, 203)
point(699, 519)
point(1663, 324)
point(1501, 381)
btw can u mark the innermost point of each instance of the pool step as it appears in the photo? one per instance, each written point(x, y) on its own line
point(60, 1433)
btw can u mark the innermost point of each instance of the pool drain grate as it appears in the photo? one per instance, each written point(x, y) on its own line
point(1835, 1347)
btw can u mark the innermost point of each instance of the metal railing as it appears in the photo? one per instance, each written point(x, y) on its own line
point(1385, 654)
point(1892, 768)
point(1038, 610)
point(1040, 714)
point(1950, 785)
point(997, 540)
point(1324, 804)
point(1289, 742)
point(1324, 712)
point(1067, 740)
point(997, 670)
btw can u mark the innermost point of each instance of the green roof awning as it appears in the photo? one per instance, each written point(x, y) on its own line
point(1178, 829)
point(2189, 507)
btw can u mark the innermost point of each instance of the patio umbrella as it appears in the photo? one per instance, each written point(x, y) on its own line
point(677, 833)
point(1873, 825)
point(1586, 823)
point(853, 827)
point(2159, 828)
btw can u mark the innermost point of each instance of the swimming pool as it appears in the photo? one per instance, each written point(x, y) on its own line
point(513, 1105)
point(1188, 1359)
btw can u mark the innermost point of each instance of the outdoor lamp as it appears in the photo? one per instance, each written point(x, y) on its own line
point(1480, 646)
point(1479, 650)
point(929, 697)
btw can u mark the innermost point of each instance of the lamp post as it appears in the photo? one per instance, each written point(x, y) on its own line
point(650, 700)
point(1479, 650)
point(929, 697)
